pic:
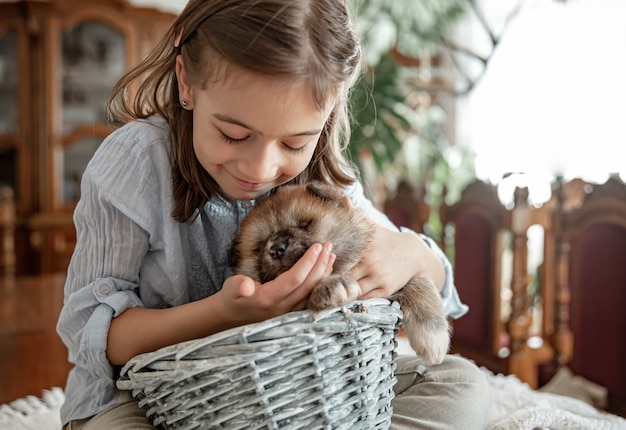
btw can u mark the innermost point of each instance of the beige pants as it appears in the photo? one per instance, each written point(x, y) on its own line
point(452, 395)
point(126, 415)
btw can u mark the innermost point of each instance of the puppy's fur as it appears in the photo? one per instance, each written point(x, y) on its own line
point(282, 227)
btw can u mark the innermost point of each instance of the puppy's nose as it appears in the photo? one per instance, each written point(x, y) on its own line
point(278, 248)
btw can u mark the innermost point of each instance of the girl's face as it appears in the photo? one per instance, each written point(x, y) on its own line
point(252, 133)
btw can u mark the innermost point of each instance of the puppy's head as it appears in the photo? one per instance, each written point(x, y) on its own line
point(279, 230)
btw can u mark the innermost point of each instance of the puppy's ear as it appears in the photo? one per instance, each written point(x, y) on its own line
point(325, 191)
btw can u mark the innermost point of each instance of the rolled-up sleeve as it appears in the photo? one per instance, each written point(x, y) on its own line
point(95, 305)
point(94, 294)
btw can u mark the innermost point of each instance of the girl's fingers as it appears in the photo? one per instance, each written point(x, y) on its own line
point(296, 276)
point(372, 289)
point(329, 266)
point(320, 267)
point(307, 272)
point(312, 281)
point(366, 288)
point(247, 287)
point(360, 271)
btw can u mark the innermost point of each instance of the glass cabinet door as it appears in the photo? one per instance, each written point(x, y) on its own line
point(8, 83)
point(93, 57)
point(8, 107)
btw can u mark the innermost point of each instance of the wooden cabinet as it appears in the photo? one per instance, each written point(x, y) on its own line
point(59, 60)
point(13, 100)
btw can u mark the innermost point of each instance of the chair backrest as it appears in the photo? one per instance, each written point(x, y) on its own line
point(525, 319)
point(590, 301)
point(7, 232)
point(474, 238)
point(567, 196)
point(407, 207)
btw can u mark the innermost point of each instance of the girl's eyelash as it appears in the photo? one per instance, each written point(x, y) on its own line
point(229, 139)
point(232, 140)
point(295, 150)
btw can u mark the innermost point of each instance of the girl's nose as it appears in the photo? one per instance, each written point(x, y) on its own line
point(262, 164)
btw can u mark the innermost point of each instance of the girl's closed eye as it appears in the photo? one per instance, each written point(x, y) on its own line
point(295, 149)
point(233, 140)
point(289, 147)
point(300, 144)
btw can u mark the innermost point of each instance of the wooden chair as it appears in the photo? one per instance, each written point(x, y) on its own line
point(588, 326)
point(474, 236)
point(567, 196)
point(408, 208)
point(7, 232)
point(527, 355)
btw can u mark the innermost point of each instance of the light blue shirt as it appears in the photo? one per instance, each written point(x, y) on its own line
point(131, 252)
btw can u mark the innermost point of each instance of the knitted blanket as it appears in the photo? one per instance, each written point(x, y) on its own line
point(33, 413)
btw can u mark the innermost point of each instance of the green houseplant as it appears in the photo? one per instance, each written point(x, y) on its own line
point(397, 130)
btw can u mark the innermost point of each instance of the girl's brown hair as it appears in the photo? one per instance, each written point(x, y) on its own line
point(297, 39)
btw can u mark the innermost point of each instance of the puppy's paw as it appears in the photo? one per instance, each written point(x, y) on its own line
point(429, 339)
point(334, 291)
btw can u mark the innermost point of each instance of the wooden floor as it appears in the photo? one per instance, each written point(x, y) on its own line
point(32, 357)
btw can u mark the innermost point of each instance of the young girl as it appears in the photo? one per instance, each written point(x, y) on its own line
point(241, 96)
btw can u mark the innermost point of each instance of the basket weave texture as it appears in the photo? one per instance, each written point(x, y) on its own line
point(332, 369)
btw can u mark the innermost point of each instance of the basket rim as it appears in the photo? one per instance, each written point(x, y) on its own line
point(358, 311)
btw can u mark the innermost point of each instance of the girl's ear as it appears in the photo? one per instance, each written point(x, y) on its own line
point(184, 89)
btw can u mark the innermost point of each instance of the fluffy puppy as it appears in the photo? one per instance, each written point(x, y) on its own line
point(278, 231)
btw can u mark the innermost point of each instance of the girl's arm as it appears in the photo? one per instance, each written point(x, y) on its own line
point(397, 254)
point(239, 302)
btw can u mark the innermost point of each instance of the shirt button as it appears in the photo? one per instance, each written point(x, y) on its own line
point(105, 289)
point(247, 204)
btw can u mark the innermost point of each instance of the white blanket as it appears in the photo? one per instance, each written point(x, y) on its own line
point(515, 407)
point(33, 413)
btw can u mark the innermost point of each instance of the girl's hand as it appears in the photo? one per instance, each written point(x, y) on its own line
point(392, 259)
point(245, 301)
point(240, 301)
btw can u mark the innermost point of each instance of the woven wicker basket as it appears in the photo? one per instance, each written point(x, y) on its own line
point(332, 369)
